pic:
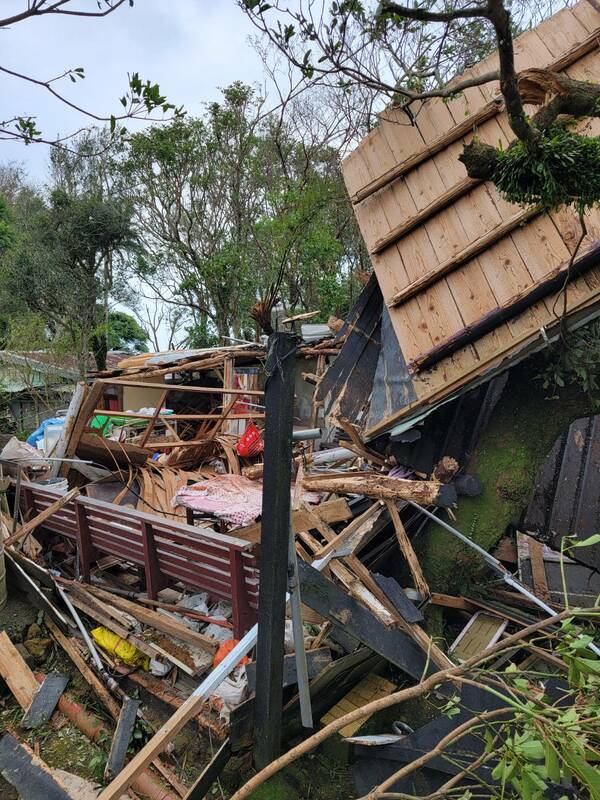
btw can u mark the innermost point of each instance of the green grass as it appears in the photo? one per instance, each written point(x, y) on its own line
point(521, 432)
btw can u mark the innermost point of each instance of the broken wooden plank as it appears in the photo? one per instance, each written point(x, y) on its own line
point(429, 493)
point(37, 597)
point(409, 554)
point(27, 773)
point(355, 586)
point(407, 609)
point(316, 660)
point(175, 723)
point(45, 700)
point(15, 672)
point(538, 571)
point(357, 445)
point(121, 738)
point(330, 512)
point(94, 682)
point(34, 523)
point(164, 692)
point(159, 621)
point(111, 454)
point(333, 603)
point(106, 621)
point(360, 525)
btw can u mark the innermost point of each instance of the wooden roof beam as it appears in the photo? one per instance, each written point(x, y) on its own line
point(470, 251)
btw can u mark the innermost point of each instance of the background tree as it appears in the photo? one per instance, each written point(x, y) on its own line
point(61, 266)
point(236, 210)
point(125, 333)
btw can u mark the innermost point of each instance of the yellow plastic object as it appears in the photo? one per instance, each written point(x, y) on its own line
point(124, 651)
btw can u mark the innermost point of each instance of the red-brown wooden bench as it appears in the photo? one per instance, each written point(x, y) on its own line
point(165, 550)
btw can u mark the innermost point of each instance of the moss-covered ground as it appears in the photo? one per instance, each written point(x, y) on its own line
point(521, 432)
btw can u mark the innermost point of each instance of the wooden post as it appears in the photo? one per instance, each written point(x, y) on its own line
point(279, 402)
point(154, 578)
point(86, 552)
point(243, 616)
point(155, 416)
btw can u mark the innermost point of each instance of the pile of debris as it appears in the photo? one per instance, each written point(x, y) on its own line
point(154, 591)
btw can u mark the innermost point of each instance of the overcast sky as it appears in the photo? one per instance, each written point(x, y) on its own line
point(190, 47)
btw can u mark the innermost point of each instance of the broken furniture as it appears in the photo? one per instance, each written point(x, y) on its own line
point(165, 550)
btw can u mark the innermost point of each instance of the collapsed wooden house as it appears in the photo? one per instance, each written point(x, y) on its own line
point(468, 283)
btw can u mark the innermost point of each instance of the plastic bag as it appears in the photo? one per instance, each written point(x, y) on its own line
point(196, 602)
point(222, 610)
point(225, 649)
point(124, 651)
point(217, 632)
point(230, 693)
point(25, 454)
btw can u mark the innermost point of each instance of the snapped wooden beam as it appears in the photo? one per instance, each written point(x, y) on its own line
point(385, 488)
point(331, 511)
point(334, 604)
point(210, 773)
point(28, 774)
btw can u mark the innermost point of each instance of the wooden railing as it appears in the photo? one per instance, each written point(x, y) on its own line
point(165, 550)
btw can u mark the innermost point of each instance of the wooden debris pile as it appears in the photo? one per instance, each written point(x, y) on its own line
point(150, 594)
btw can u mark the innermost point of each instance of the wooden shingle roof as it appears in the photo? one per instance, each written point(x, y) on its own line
point(472, 283)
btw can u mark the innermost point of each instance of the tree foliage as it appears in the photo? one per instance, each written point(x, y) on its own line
point(235, 210)
point(142, 99)
point(60, 266)
point(125, 333)
point(407, 53)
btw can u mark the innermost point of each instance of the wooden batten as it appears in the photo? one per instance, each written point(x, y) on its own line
point(491, 109)
point(457, 261)
point(561, 278)
point(439, 204)
point(439, 144)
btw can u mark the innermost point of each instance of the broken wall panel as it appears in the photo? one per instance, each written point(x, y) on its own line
point(566, 498)
point(348, 381)
point(449, 252)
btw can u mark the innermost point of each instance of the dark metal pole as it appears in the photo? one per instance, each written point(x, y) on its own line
point(279, 407)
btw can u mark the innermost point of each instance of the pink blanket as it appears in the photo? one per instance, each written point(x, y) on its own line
point(234, 498)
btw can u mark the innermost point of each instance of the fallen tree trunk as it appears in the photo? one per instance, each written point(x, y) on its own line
point(429, 493)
